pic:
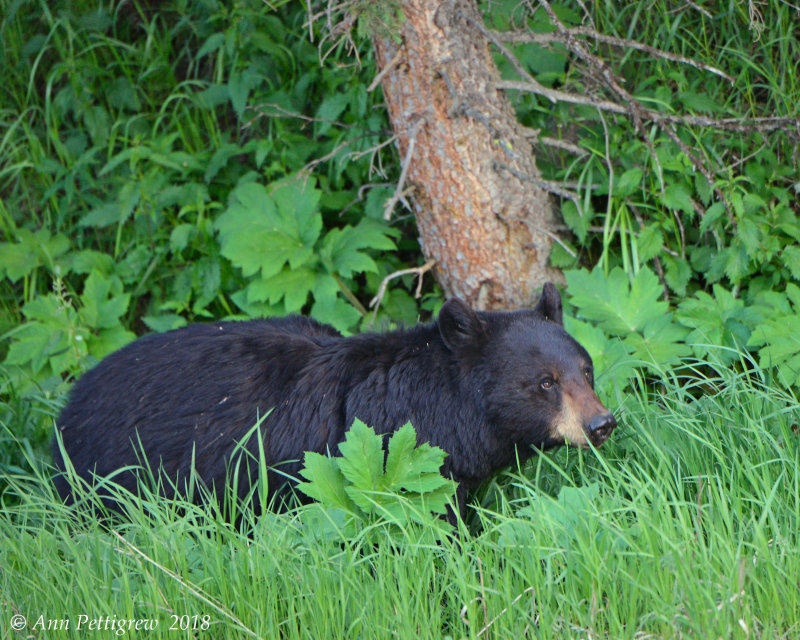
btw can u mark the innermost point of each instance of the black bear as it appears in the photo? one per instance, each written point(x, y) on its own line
point(487, 387)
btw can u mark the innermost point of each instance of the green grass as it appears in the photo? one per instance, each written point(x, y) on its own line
point(686, 525)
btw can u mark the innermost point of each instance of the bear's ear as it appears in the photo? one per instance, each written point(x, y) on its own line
point(549, 305)
point(460, 326)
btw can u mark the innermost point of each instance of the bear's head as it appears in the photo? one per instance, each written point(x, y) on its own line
point(536, 382)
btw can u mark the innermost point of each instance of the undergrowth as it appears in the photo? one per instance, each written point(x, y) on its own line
point(684, 525)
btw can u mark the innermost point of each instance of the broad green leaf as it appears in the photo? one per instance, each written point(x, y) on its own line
point(747, 232)
point(661, 342)
point(649, 242)
point(214, 42)
point(30, 251)
point(109, 340)
point(720, 319)
point(577, 220)
point(344, 247)
point(362, 457)
point(329, 307)
point(616, 305)
point(262, 231)
point(413, 468)
point(737, 263)
point(612, 362)
point(677, 274)
point(297, 200)
point(677, 197)
point(88, 260)
point(329, 110)
point(291, 285)
point(164, 322)
point(102, 302)
point(712, 214)
point(699, 101)
point(790, 256)
point(628, 182)
point(325, 482)
point(779, 338)
point(17, 260)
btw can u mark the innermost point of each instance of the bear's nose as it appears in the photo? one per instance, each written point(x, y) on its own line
point(600, 427)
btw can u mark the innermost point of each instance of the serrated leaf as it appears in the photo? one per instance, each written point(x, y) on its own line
point(102, 301)
point(610, 355)
point(102, 216)
point(164, 322)
point(661, 342)
point(297, 200)
point(737, 262)
point(793, 293)
point(329, 307)
point(720, 319)
point(362, 457)
point(616, 305)
point(109, 340)
point(30, 251)
point(578, 221)
point(213, 43)
point(325, 482)
point(747, 232)
point(410, 467)
point(628, 182)
point(88, 260)
point(779, 339)
point(712, 214)
point(699, 101)
point(17, 260)
point(790, 257)
point(649, 242)
point(329, 110)
point(291, 285)
point(261, 231)
point(677, 197)
point(677, 274)
point(220, 159)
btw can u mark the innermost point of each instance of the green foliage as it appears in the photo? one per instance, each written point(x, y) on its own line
point(58, 338)
point(711, 210)
point(630, 312)
point(779, 336)
point(358, 488)
point(275, 237)
point(136, 143)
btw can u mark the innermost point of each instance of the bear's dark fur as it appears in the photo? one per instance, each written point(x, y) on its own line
point(484, 386)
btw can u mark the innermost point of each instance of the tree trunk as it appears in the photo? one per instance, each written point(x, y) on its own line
point(479, 212)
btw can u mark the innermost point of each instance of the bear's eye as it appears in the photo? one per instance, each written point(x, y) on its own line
point(547, 383)
point(587, 371)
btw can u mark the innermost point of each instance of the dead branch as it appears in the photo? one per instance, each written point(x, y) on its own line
point(540, 229)
point(732, 125)
point(551, 186)
point(520, 36)
point(263, 111)
point(398, 192)
point(419, 271)
point(536, 134)
point(696, 7)
point(392, 63)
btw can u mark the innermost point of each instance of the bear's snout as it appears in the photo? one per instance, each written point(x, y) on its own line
point(600, 427)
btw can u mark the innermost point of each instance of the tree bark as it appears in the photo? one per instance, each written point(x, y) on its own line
point(479, 211)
